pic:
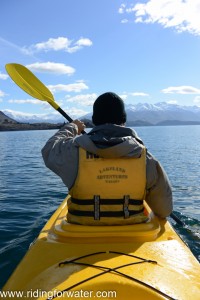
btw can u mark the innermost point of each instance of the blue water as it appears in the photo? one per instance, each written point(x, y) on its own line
point(30, 193)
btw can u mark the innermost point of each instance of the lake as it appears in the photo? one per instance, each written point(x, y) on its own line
point(30, 193)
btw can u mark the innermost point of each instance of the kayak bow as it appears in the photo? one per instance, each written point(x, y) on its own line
point(141, 261)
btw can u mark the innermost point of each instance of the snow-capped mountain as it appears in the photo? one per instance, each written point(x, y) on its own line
point(159, 112)
point(34, 118)
point(161, 106)
point(151, 113)
point(162, 111)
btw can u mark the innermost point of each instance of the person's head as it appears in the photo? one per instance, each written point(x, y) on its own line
point(109, 108)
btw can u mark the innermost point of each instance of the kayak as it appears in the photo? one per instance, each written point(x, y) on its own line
point(140, 261)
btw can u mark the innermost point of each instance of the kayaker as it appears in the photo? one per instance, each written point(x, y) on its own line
point(108, 171)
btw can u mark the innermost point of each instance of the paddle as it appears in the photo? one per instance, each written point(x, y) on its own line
point(29, 83)
point(177, 220)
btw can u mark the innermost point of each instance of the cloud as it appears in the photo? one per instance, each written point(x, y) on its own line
point(139, 94)
point(51, 67)
point(124, 21)
point(84, 42)
point(85, 100)
point(181, 90)
point(59, 44)
point(75, 112)
point(183, 15)
point(197, 100)
point(72, 87)
point(134, 94)
point(122, 9)
point(3, 76)
point(1, 100)
point(2, 94)
point(172, 102)
point(20, 113)
point(32, 101)
point(123, 96)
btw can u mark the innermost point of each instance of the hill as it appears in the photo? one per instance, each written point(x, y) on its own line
point(9, 124)
point(4, 119)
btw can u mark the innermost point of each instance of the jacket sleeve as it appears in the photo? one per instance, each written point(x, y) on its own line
point(60, 154)
point(159, 191)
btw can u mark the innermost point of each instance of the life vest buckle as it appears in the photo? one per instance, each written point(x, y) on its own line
point(126, 204)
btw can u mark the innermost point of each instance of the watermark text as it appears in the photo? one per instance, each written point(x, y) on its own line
point(79, 294)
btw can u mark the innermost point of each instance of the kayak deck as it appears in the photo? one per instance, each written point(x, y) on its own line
point(141, 261)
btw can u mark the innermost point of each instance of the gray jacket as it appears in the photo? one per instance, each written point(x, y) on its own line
point(60, 154)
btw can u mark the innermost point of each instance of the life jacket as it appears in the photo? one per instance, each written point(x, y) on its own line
point(108, 191)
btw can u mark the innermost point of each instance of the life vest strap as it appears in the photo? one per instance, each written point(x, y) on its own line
point(96, 207)
point(106, 201)
point(82, 213)
point(126, 204)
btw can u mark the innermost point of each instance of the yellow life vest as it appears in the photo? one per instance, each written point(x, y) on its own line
point(108, 191)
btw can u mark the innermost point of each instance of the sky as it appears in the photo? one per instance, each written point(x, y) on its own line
point(143, 50)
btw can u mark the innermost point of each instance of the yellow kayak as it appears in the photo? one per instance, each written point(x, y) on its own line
point(141, 261)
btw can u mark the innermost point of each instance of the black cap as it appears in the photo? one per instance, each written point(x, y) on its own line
point(109, 108)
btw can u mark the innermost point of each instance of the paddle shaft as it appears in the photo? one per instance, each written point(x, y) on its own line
point(176, 219)
point(63, 113)
point(66, 116)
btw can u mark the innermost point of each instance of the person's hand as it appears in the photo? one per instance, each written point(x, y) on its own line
point(80, 125)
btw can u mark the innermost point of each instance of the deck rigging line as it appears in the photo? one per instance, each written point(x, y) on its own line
point(107, 270)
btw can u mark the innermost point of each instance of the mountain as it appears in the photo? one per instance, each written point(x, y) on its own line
point(4, 119)
point(141, 114)
point(9, 124)
point(160, 112)
point(34, 118)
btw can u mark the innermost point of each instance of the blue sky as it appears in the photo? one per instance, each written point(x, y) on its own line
point(145, 51)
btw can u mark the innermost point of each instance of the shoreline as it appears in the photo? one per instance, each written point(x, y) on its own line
point(48, 126)
point(25, 126)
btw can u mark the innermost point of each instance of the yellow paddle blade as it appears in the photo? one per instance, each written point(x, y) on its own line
point(28, 82)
